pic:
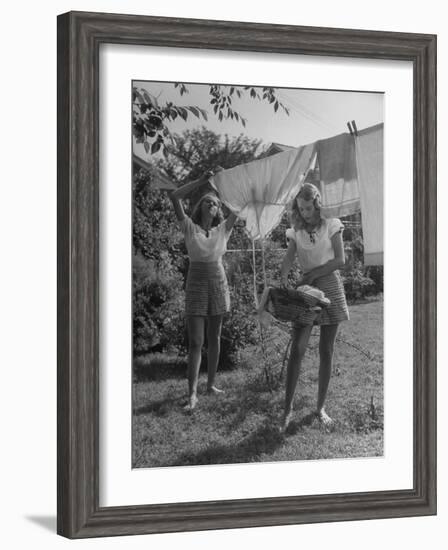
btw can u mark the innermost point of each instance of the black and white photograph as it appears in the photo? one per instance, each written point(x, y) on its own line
point(224, 237)
point(257, 274)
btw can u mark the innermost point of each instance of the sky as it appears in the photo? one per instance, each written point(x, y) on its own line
point(314, 114)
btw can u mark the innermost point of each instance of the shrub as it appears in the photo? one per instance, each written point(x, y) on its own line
point(359, 280)
point(376, 274)
point(158, 306)
point(240, 325)
point(356, 284)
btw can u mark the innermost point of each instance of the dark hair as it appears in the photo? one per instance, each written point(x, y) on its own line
point(196, 214)
point(307, 192)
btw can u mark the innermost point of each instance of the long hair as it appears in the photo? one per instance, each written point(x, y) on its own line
point(307, 192)
point(196, 214)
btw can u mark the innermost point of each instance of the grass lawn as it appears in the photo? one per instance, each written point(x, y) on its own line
point(242, 425)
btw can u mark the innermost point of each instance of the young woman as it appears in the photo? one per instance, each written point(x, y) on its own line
point(318, 244)
point(207, 294)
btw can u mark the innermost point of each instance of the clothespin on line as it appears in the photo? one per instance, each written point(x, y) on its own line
point(352, 128)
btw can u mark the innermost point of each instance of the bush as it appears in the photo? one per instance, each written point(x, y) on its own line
point(240, 325)
point(359, 280)
point(158, 306)
point(356, 284)
point(376, 274)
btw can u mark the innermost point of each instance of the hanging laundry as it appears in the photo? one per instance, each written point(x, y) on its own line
point(339, 186)
point(369, 157)
point(260, 190)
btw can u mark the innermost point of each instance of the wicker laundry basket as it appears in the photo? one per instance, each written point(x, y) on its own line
point(295, 305)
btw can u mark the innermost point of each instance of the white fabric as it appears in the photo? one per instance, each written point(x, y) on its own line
point(369, 156)
point(314, 254)
point(202, 248)
point(314, 292)
point(259, 191)
point(338, 175)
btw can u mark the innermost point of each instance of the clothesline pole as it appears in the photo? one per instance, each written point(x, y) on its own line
point(263, 263)
point(255, 273)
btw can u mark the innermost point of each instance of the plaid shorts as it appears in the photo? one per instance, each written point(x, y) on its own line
point(207, 291)
point(333, 288)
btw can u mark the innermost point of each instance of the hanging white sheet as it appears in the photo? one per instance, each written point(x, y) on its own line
point(338, 176)
point(369, 157)
point(260, 190)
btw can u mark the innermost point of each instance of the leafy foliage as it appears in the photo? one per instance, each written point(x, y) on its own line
point(155, 229)
point(158, 322)
point(201, 150)
point(356, 284)
point(357, 280)
point(240, 325)
point(150, 120)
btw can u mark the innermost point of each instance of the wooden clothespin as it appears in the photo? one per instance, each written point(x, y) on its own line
point(350, 128)
point(355, 129)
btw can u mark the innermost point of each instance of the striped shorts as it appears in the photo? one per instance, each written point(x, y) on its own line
point(207, 291)
point(333, 288)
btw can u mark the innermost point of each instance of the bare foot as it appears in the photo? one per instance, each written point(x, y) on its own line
point(192, 402)
point(213, 390)
point(324, 419)
point(286, 421)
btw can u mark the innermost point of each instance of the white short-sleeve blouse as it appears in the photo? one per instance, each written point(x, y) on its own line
point(315, 249)
point(202, 248)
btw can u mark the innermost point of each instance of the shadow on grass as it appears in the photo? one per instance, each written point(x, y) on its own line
point(159, 371)
point(265, 440)
point(255, 397)
point(162, 407)
point(296, 426)
point(369, 299)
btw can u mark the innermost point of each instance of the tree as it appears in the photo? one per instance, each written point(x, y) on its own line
point(150, 119)
point(201, 150)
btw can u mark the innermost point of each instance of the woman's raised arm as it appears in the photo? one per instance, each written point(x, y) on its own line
point(177, 204)
point(182, 191)
point(230, 220)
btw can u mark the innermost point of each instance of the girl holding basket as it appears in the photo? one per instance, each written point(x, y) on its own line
point(318, 244)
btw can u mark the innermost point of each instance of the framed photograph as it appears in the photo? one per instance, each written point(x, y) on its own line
point(246, 274)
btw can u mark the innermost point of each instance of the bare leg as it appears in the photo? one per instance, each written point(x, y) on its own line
point(299, 343)
point(195, 341)
point(214, 326)
point(326, 348)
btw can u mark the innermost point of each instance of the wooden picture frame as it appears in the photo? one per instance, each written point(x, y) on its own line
point(79, 38)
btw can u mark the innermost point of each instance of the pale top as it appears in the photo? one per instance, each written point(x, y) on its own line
point(314, 254)
point(202, 248)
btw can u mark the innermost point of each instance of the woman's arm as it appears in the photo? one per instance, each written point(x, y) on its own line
point(182, 192)
point(287, 262)
point(331, 265)
point(230, 220)
point(178, 208)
